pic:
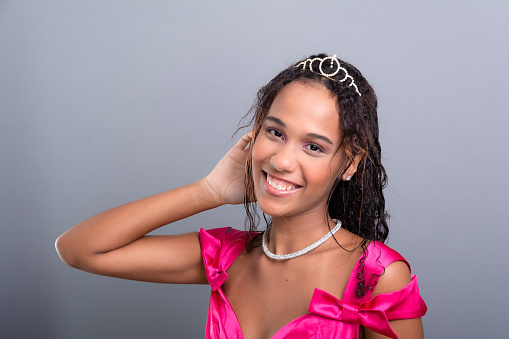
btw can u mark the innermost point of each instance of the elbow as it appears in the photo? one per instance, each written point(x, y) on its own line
point(66, 251)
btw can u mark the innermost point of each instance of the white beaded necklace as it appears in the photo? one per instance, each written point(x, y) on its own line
point(298, 253)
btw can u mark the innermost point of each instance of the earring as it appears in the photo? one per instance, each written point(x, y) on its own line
point(348, 178)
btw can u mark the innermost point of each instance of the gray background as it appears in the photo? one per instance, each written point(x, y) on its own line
point(104, 102)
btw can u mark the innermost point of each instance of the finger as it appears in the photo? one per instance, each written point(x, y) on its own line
point(244, 141)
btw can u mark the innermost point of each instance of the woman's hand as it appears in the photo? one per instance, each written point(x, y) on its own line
point(226, 181)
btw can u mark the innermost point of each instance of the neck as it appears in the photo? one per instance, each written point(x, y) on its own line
point(290, 234)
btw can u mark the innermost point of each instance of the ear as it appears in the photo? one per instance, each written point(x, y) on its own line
point(350, 171)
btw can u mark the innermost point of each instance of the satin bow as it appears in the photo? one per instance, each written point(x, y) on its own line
point(220, 247)
point(215, 276)
point(368, 314)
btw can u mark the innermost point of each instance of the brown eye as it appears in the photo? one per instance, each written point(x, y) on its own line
point(314, 148)
point(275, 132)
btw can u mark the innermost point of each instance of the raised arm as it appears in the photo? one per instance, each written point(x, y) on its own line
point(114, 242)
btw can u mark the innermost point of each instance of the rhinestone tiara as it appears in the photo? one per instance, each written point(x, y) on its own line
point(308, 63)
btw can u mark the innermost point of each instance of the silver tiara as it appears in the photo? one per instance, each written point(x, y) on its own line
point(335, 70)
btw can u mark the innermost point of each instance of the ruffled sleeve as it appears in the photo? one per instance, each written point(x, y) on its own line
point(220, 247)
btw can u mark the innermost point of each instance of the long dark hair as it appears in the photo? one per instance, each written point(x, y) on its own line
point(358, 203)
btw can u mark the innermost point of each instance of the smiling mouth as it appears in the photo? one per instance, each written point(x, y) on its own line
point(279, 184)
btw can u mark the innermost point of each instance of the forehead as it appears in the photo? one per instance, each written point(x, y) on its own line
point(307, 107)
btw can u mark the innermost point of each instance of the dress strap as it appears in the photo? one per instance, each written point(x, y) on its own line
point(375, 259)
point(220, 247)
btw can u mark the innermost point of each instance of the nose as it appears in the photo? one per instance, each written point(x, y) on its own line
point(284, 160)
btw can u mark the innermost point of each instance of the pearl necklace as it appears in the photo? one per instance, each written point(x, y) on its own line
point(298, 253)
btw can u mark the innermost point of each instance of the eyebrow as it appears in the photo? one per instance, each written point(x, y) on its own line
point(276, 120)
point(309, 135)
point(318, 136)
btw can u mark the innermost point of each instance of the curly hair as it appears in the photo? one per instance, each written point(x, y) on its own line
point(358, 203)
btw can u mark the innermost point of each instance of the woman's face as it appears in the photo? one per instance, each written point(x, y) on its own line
point(295, 156)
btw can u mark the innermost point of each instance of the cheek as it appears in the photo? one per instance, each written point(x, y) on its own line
point(323, 175)
point(319, 178)
point(256, 159)
point(260, 152)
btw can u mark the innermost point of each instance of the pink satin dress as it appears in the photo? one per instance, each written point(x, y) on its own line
point(328, 317)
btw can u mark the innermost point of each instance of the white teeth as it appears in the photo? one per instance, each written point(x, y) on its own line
point(279, 187)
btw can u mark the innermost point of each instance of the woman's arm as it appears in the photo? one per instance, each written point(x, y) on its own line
point(114, 242)
point(395, 277)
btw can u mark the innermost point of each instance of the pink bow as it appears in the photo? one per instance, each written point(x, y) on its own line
point(370, 316)
point(215, 276)
point(211, 242)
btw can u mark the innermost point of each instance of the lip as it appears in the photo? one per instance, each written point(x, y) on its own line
point(276, 192)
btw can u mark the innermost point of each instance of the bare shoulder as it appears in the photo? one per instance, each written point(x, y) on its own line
point(395, 277)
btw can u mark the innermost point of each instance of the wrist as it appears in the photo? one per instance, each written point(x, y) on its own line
point(208, 193)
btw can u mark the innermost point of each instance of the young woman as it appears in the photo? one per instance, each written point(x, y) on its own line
point(311, 164)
